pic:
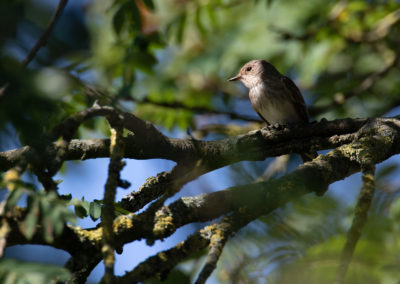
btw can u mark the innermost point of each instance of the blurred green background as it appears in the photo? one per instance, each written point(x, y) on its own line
point(167, 61)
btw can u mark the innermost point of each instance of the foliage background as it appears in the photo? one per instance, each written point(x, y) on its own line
point(167, 62)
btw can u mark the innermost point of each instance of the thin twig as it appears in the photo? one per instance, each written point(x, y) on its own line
point(43, 39)
point(364, 86)
point(196, 109)
point(163, 262)
point(360, 218)
point(113, 181)
point(217, 244)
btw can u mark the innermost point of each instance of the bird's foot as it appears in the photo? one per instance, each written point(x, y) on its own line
point(274, 126)
point(277, 126)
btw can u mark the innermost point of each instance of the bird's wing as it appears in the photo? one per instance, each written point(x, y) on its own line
point(259, 114)
point(295, 97)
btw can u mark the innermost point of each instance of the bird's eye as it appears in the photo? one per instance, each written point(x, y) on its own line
point(248, 69)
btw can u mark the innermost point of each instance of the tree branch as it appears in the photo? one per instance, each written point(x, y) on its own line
point(359, 221)
point(375, 141)
point(217, 244)
point(163, 262)
point(113, 181)
point(81, 265)
point(367, 83)
point(149, 143)
point(43, 39)
point(196, 109)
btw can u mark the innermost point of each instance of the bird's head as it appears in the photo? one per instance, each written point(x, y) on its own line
point(255, 72)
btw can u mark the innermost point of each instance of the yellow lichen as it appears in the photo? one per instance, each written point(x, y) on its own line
point(108, 252)
point(163, 224)
point(180, 245)
point(94, 236)
point(163, 256)
point(123, 222)
point(368, 178)
point(217, 236)
point(10, 177)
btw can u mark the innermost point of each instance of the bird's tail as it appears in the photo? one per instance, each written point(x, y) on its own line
point(306, 157)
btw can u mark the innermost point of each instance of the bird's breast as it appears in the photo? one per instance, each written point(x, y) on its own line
point(275, 106)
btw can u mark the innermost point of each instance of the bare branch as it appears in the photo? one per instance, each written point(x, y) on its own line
point(359, 221)
point(163, 262)
point(113, 181)
point(81, 265)
point(43, 39)
point(366, 84)
point(217, 243)
point(147, 142)
point(195, 109)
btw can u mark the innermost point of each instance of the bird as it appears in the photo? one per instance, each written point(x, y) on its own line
point(275, 97)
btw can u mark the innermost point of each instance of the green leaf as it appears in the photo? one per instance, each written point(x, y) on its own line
point(181, 27)
point(199, 23)
point(119, 20)
point(15, 271)
point(120, 210)
point(48, 228)
point(134, 15)
point(57, 219)
point(211, 15)
point(82, 208)
point(149, 4)
point(66, 197)
point(46, 210)
point(95, 210)
point(13, 198)
point(143, 61)
point(81, 211)
point(28, 226)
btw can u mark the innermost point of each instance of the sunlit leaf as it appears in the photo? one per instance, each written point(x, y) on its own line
point(95, 210)
point(82, 207)
point(120, 210)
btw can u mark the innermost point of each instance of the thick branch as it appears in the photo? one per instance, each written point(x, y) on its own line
point(221, 153)
point(266, 196)
point(148, 143)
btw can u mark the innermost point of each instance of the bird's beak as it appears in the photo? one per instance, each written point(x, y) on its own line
point(237, 77)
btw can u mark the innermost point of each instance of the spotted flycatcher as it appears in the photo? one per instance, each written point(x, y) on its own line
point(275, 97)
